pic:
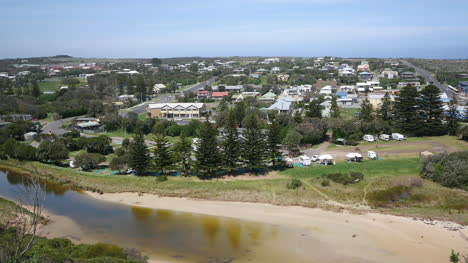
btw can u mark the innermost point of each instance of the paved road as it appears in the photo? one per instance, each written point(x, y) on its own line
point(55, 127)
point(429, 77)
point(165, 98)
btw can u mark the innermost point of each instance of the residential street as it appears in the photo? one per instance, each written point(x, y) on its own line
point(429, 77)
point(165, 98)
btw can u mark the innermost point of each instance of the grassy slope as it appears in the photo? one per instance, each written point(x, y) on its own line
point(49, 85)
point(378, 175)
point(7, 210)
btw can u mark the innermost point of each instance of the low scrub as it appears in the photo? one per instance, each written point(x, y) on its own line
point(63, 250)
point(294, 184)
point(448, 169)
point(343, 178)
point(403, 190)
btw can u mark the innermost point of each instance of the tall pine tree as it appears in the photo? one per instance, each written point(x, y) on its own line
point(386, 108)
point(452, 117)
point(141, 89)
point(431, 112)
point(253, 143)
point(138, 154)
point(231, 145)
point(35, 90)
point(207, 153)
point(367, 111)
point(314, 109)
point(183, 152)
point(273, 141)
point(163, 158)
point(407, 111)
point(334, 109)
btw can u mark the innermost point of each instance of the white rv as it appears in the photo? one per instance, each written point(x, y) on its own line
point(368, 138)
point(305, 160)
point(385, 137)
point(372, 155)
point(398, 136)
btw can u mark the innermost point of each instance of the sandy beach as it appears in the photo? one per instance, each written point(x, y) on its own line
point(375, 237)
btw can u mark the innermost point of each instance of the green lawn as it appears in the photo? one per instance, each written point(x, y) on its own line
point(399, 167)
point(272, 188)
point(49, 85)
point(348, 113)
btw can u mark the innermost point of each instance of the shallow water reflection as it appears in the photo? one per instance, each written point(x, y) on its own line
point(176, 234)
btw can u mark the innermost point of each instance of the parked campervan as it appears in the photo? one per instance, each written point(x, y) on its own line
point(368, 138)
point(398, 136)
point(305, 160)
point(385, 137)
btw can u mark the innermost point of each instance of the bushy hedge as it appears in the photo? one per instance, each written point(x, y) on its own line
point(448, 169)
point(294, 184)
point(342, 178)
point(60, 250)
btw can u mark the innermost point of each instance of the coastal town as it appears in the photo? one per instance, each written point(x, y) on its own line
point(247, 131)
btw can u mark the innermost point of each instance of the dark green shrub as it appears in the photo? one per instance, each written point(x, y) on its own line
point(356, 176)
point(351, 178)
point(161, 178)
point(294, 184)
point(325, 183)
point(383, 198)
point(450, 170)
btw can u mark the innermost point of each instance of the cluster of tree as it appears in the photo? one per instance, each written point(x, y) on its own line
point(113, 121)
point(215, 151)
point(412, 113)
point(78, 101)
point(448, 169)
point(22, 105)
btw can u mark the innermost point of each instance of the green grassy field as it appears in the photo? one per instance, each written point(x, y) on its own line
point(401, 167)
point(440, 202)
point(421, 142)
point(348, 113)
point(49, 85)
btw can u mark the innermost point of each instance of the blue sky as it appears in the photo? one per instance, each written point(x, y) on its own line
point(176, 28)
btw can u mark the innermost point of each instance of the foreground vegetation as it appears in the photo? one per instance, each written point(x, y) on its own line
point(59, 250)
point(55, 250)
point(414, 197)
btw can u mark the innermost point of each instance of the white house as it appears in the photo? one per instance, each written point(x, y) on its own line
point(158, 88)
point(275, 70)
point(327, 90)
point(175, 110)
point(281, 106)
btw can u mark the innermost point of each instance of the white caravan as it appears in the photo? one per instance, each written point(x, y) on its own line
point(372, 155)
point(385, 137)
point(305, 160)
point(368, 138)
point(398, 136)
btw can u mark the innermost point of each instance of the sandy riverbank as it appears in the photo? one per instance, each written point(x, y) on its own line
point(375, 237)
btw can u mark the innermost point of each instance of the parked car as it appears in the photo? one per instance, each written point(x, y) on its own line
point(368, 138)
point(314, 158)
point(305, 160)
point(372, 155)
point(398, 136)
point(289, 162)
point(385, 137)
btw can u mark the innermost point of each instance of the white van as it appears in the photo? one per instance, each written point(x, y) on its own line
point(385, 137)
point(372, 155)
point(305, 160)
point(398, 136)
point(368, 138)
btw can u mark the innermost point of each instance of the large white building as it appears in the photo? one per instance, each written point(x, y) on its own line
point(175, 110)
